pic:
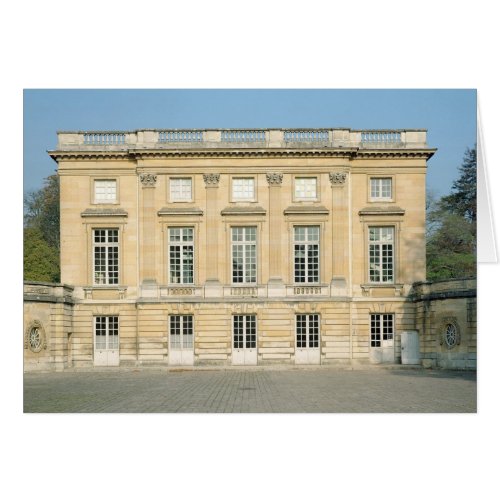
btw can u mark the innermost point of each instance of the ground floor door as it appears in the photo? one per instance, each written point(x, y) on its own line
point(181, 343)
point(244, 340)
point(106, 341)
point(307, 339)
point(382, 338)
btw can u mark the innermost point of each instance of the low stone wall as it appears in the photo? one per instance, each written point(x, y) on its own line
point(445, 318)
point(48, 316)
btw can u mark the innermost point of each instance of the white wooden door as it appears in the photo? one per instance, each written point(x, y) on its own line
point(307, 339)
point(106, 341)
point(181, 340)
point(244, 340)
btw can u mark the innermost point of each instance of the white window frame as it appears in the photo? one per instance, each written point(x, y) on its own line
point(183, 260)
point(382, 329)
point(235, 198)
point(310, 320)
point(173, 198)
point(108, 247)
point(377, 253)
point(247, 255)
point(109, 325)
point(377, 184)
point(185, 323)
point(309, 245)
point(246, 330)
point(302, 196)
point(108, 198)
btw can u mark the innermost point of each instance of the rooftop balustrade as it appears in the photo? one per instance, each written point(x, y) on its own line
point(242, 138)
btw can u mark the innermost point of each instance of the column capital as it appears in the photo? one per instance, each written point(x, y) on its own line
point(148, 180)
point(274, 179)
point(211, 180)
point(338, 178)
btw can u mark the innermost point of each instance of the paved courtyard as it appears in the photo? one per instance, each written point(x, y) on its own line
point(256, 391)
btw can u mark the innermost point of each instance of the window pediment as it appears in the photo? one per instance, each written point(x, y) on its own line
point(306, 210)
point(383, 210)
point(104, 212)
point(243, 211)
point(180, 211)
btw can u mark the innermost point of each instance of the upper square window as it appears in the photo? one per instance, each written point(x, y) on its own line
point(381, 188)
point(306, 188)
point(243, 188)
point(105, 191)
point(181, 189)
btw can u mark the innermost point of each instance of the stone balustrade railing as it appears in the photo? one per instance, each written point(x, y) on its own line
point(240, 138)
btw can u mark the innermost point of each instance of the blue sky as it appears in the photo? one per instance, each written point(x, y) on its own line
point(448, 115)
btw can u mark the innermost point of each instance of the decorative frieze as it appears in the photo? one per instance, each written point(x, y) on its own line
point(248, 291)
point(307, 290)
point(274, 179)
point(211, 180)
point(338, 178)
point(148, 180)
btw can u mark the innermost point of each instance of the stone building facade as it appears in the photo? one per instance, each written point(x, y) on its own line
point(239, 247)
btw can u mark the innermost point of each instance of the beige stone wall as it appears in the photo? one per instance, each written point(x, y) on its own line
point(49, 309)
point(137, 255)
point(439, 304)
point(143, 212)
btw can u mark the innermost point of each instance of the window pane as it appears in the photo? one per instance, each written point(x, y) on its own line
point(301, 332)
point(238, 332)
point(306, 255)
point(305, 187)
point(381, 254)
point(251, 333)
point(181, 255)
point(106, 259)
point(243, 188)
point(244, 254)
point(105, 191)
point(375, 330)
point(313, 330)
point(181, 189)
point(381, 188)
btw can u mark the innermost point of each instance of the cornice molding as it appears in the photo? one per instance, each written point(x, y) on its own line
point(399, 153)
point(233, 153)
point(88, 155)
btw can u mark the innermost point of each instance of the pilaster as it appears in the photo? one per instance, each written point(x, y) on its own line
point(212, 220)
point(275, 284)
point(148, 274)
point(340, 229)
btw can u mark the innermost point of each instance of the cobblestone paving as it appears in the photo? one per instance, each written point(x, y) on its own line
point(256, 391)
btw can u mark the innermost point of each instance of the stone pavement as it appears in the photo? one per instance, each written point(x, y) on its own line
point(256, 391)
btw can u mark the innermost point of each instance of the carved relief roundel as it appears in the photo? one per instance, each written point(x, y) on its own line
point(34, 337)
point(449, 332)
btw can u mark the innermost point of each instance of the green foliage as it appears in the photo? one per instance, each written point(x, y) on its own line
point(463, 198)
point(41, 261)
point(42, 210)
point(41, 233)
point(451, 227)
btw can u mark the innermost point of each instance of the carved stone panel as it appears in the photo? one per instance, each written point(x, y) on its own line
point(338, 178)
point(148, 180)
point(211, 180)
point(274, 179)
